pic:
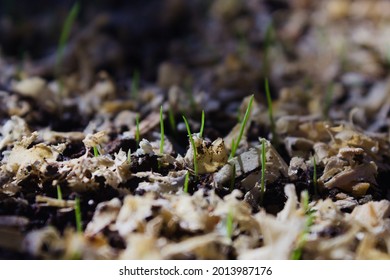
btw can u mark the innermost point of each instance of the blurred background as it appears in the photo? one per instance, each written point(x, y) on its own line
point(225, 48)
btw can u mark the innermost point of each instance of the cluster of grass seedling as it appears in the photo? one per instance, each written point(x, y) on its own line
point(309, 213)
point(236, 142)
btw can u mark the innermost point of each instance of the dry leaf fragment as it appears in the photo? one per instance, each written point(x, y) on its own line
point(277, 244)
point(13, 131)
point(367, 249)
point(37, 157)
point(201, 246)
point(45, 243)
point(210, 156)
point(142, 247)
point(133, 213)
point(54, 202)
point(95, 140)
point(339, 174)
point(105, 214)
point(372, 214)
point(31, 87)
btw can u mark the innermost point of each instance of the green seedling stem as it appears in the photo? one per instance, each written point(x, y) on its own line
point(77, 211)
point(202, 125)
point(137, 133)
point(59, 192)
point(267, 45)
point(129, 156)
point(186, 181)
point(229, 224)
point(305, 201)
point(193, 145)
point(95, 151)
point(297, 252)
point(236, 143)
point(67, 27)
point(162, 131)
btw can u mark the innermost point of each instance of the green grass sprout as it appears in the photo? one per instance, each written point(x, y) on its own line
point(270, 112)
point(315, 185)
point(129, 156)
point(309, 213)
point(135, 84)
point(236, 142)
point(162, 130)
point(172, 122)
point(269, 34)
point(137, 133)
point(67, 27)
point(263, 163)
point(305, 201)
point(186, 180)
point(77, 211)
point(95, 151)
point(193, 145)
point(202, 125)
point(229, 224)
point(59, 192)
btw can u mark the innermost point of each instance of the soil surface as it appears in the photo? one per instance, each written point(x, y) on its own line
point(96, 161)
